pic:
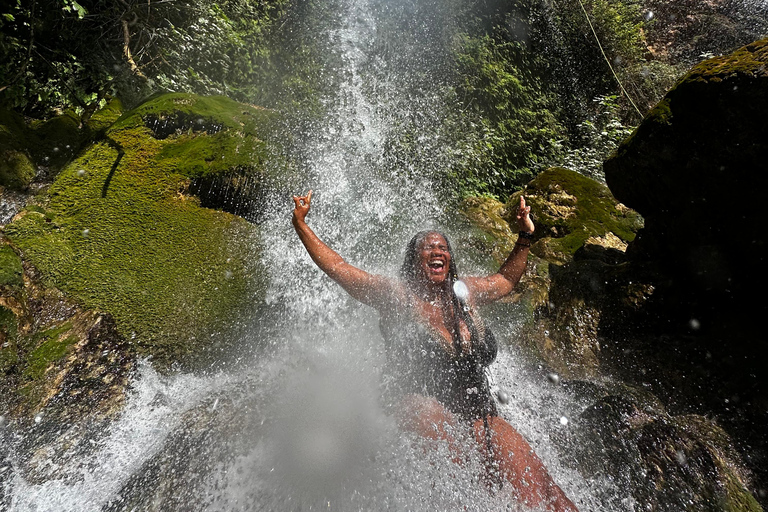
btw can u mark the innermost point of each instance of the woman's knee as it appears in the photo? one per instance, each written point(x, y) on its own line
point(424, 415)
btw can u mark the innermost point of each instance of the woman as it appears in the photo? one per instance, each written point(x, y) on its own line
point(438, 347)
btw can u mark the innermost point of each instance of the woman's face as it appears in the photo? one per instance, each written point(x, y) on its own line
point(434, 259)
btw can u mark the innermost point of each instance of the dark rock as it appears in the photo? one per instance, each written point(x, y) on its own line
point(696, 170)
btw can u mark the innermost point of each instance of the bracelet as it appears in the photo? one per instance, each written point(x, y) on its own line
point(522, 244)
point(525, 234)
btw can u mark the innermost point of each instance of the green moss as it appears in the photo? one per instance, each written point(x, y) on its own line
point(10, 267)
point(106, 117)
point(569, 208)
point(51, 346)
point(59, 139)
point(747, 60)
point(119, 234)
point(9, 355)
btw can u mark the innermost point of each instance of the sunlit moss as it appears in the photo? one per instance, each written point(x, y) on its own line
point(120, 234)
point(10, 267)
point(569, 208)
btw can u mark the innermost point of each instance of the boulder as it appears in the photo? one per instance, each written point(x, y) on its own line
point(696, 170)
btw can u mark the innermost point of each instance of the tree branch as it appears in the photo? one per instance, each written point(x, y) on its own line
point(127, 51)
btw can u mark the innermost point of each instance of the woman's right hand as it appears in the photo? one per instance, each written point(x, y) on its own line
point(301, 208)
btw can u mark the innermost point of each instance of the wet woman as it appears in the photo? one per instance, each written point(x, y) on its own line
point(438, 348)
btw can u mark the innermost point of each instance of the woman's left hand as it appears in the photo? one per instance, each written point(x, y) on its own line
point(524, 222)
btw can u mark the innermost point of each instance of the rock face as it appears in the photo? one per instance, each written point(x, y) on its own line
point(129, 245)
point(124, 228)
point(696, 169)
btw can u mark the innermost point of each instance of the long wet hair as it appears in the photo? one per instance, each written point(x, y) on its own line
point(409, 275)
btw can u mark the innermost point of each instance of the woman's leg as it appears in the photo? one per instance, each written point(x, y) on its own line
point(519, 465)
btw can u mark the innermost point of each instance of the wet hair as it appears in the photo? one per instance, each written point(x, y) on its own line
point(409, 275)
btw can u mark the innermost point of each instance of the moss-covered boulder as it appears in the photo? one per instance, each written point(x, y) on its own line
point(570, 211)
point(668, 462)
point(129, 226)
point(696, 169)
point(17, 169)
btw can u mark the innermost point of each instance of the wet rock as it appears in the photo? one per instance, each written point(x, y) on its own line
point(17, 169)
point(668, 463)
point(695, 169)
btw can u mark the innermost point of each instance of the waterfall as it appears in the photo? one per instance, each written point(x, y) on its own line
point(296, 424)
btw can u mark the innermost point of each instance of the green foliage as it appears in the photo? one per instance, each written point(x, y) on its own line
point(596, 139)
point(512, 113)
point(617, 36)
point(56, 54)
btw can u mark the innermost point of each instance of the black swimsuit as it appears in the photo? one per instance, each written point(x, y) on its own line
point(418, 363)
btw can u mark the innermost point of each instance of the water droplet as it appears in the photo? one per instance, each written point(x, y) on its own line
point(55, 150)
point(86, 232)
point(228, 274)
point(553, 378)
point(38, 417)
point(81, 173)
point(680, 458)
point(502, 396)
point(461, 290)
point(563, 420)
point(648, 16)
point(694, 324)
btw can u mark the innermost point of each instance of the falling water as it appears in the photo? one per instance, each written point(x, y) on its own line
point(297, 424)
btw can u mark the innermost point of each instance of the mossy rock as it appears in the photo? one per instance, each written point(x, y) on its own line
point(10, 267)
point(119, 231)
point(668, 462)
point(17, 169)
point(105, 117)
point(571, 209)
point(57, 141)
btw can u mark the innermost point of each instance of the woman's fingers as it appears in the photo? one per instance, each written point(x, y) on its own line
point(302, 201)
point(523, 210)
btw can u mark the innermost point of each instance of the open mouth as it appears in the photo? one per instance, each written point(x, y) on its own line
point(436, 265)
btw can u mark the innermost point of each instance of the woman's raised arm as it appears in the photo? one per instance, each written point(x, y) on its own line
point(488, 289)
point(371, 289)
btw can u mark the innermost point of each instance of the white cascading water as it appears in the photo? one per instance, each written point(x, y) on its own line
point(298, 426)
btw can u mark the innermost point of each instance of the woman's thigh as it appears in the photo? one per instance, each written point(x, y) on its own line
point(517, 464)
